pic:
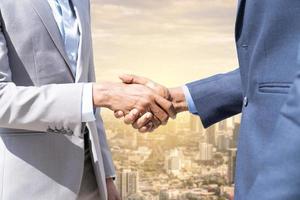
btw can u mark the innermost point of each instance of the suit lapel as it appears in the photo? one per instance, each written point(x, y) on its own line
point(81, 13)
point(44, 11)
point(239, 18)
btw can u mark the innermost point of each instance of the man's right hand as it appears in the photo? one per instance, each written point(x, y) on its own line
point(175, 95)
point(135, 99)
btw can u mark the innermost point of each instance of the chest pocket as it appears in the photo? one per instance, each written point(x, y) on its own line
point(273, 87)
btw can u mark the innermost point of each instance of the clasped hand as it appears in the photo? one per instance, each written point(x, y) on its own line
point(150, 120)
point(141, 102)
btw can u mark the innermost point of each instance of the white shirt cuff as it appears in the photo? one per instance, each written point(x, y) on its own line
point(189, 99)
point(87, 109)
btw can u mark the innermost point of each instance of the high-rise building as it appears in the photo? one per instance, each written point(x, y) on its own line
point(182, 122)
point(231, 165)
point(136, 197)
point(222, 125)
point(223, 141)
point(235, 135)
point(169, 194)
point(211, 135)
point(173, 162)
point(127, 183)
point(237, 119)
point(195, 124)
point(206, 151)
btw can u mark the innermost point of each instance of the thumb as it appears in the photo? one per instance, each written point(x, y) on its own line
point(132, 79)
point(126, 78)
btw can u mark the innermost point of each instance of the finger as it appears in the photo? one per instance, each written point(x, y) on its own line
point(119, 114)
point(132, 116)
point(152, 125)
point(150, 130)
point(132, 79)
point(146, 128)
point(156, 122)
point(142, 121)
point(160, 114)
point(166, 105)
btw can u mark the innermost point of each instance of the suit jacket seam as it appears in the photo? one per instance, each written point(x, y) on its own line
point(35, 63)
point(3, 173)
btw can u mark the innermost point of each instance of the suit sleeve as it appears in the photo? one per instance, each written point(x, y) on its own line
point(280, 167)
point(39, 109)
point(217, 97)
point(105, 149)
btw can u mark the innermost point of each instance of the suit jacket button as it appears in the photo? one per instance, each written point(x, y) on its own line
point(56, 130)
point(69, 133)
point(245, 102)
point(50, 130)
point(64, 131)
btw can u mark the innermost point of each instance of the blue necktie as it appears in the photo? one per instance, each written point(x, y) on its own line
point(69, 30)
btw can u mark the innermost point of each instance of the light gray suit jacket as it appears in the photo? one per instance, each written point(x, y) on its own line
point(41, 142)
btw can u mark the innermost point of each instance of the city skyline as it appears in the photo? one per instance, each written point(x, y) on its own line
point(172, 42)
point(178, 161)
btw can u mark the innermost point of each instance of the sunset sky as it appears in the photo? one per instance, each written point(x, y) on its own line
point(169, 41)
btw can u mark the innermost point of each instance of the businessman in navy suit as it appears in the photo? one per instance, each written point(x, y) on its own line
point(265, 89)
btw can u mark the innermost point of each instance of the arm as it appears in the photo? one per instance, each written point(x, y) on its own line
point(35, 108)
point(280, 160)
point(213, 99)
point(218, 97)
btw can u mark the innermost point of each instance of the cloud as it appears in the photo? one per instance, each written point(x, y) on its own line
point(150, 34)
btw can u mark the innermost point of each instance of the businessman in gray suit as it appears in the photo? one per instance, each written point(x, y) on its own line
point(265, 89)
point(52, 139)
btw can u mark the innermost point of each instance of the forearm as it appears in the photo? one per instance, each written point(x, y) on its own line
point(36, 108)
point(218, 97)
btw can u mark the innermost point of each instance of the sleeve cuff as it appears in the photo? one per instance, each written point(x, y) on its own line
point(111, 177)
point(87, 114)
point(189, 99)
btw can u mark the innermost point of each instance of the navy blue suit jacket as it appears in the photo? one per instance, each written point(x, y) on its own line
point(266, 89)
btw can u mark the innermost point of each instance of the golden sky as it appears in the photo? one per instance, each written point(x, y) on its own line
point(169, 41)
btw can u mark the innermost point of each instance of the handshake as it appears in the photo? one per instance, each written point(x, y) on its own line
point(144, 104)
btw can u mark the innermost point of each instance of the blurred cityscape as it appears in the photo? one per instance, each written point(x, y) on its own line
point(172, 42)
point(180, 161)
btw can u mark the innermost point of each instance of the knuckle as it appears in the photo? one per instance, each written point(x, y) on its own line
point(128, 120)
point(142, 108)
point(149, 95)
point(145, 103)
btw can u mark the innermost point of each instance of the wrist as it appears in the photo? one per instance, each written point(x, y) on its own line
point(101, 95)
point(110, 180)
point(178, 99)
